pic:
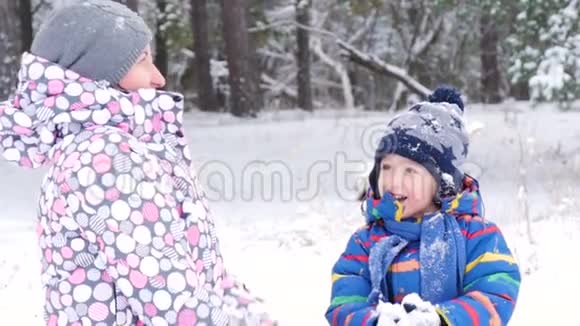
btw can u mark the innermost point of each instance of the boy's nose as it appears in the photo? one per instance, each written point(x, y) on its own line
point(396, 183)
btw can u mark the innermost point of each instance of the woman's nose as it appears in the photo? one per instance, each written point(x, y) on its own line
point(157, 80)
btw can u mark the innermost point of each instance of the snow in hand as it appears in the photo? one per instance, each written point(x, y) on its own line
point(413, 311)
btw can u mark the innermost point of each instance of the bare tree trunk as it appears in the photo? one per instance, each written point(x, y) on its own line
point(255, 12)
point(207, 100)
point(243, 87)
point(303, 55)
point(161, 55)
point(520, 91)
point(25, 13)
point(490, 71)
point(133, 4)
point(9, 47)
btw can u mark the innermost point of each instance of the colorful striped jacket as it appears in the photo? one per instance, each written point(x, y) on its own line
point(490, 284)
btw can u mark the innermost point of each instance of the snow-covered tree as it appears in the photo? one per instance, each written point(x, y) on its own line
point(547, 55)
point(303, 54)
point(205, 90)
point(243, 99)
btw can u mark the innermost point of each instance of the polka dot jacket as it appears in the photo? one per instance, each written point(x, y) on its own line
point(126, 236)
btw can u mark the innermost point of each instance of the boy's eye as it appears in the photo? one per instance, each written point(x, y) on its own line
point(410, 170)
point(386, 167)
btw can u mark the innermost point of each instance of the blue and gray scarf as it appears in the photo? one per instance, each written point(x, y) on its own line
point(442, 252)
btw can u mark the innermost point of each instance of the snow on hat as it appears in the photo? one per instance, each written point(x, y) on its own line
point(432, 134)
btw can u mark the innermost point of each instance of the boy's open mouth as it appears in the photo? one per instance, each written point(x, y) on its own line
point(400, 198)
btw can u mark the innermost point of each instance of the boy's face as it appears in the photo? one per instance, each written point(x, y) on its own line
point(409, 182)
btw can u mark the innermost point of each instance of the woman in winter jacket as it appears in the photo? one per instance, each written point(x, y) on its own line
point(126, 236)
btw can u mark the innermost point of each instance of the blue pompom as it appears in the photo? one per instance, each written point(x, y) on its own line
point(447, 94)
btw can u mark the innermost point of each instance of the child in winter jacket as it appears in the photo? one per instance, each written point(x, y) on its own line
point(126, 235)
point(426, 255)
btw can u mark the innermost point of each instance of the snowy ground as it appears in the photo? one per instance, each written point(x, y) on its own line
point(283, 247)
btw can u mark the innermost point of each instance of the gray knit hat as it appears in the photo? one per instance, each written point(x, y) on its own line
point(98, 39)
